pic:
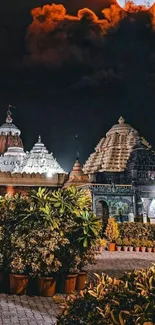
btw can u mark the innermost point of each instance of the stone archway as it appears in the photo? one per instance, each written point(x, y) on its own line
point(102, 211)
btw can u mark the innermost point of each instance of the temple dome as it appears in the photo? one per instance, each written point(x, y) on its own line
point(12, 159)
point(9, 134)
point(39, 160)
point(113, 151)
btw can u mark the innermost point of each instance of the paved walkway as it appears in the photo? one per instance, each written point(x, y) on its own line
point(24, 310)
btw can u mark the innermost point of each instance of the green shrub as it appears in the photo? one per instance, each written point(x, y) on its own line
point(128, 301)
point(137, 230)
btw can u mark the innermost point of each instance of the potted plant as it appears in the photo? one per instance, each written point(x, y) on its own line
point(18, 275)
point(87, 257)
point(136, 244)
point(118, 244)
point(43, 250)
point(131, 244)
point(149, 246)
point(17, 264)
point(112, 233)
point(143, 245)
point(102, 243)
point(125, 243)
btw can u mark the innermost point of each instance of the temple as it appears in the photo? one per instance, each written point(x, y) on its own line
point(119, 175)
point(122, 175)
point(20, 170)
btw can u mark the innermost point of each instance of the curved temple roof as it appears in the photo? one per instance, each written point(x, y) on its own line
point(113, 151)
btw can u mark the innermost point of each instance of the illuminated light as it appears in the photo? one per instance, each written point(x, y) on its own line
point(10, 190)
point(137, 5)
point(49, 174)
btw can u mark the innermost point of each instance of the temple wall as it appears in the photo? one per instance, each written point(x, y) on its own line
point(12, 183)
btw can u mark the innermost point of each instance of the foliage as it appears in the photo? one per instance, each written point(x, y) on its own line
point(112, 232)
point(125, 242)
point(45, 227)
point(2, 237)
point(137, 230)
point(119, 241)
point(128, 301)
point(102, 242)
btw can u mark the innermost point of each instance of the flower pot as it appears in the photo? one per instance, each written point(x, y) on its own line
point(143, 249)
point(81, 280)
point(137, 249)
point(70, 283)
point(18, 284)
point(149, 249)
point(118, 248)
point(46, 286)
point(101, 249)
point(130, 248)
point(125, 248)
point(153, 249)
point(111, 247)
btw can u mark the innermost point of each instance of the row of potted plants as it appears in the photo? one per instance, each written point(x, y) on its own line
point(47, 237)
point(131, 244)
point(115, 241)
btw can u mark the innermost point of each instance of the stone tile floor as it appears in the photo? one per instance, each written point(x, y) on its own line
point(24, 310)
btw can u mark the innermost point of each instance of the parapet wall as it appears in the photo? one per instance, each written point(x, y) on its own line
point(8, 179)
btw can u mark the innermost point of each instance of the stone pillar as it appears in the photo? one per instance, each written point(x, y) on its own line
point(134, 205)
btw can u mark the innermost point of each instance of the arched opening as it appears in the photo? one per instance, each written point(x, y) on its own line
point(102, 211)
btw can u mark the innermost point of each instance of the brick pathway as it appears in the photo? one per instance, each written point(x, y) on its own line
point(24, 310)
point(116, 263)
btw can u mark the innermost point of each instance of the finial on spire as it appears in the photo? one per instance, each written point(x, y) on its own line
point(39, 139)
point(121, 120)
point(77, 155)
point(9, 118)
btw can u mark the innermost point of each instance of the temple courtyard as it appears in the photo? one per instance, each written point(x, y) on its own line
point(25, 310)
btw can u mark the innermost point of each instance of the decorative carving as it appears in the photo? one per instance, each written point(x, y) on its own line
point(112, 189)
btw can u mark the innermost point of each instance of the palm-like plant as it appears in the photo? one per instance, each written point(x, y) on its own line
point(39, 211)
point(88, 228)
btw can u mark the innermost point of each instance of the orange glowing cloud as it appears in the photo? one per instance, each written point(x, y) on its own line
point(54, 36)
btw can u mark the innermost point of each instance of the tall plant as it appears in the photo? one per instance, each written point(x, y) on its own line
point(112, 231)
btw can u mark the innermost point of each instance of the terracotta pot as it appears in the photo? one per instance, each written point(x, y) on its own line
point(81, 280)
point(153, 249)
point(70, 283)
point(111, 247)
point(137, 249)
point(130, 248)
point(18, 284)
point(125, 248)
point(46, 286)
point(149, 249)
point(143, 249)
point(118, 248)
point(101, 249)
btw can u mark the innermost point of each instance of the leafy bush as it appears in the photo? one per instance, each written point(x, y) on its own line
point(45, 227)
point(137, 230)
point(128, 301)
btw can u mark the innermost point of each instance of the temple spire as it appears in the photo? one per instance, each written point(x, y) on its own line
point(9, 118)
point(39, 139)
point(121, 120)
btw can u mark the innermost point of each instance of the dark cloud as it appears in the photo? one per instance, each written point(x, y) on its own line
point(55, 37)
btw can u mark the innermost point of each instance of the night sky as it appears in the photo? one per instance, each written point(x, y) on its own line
point(71, 72)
